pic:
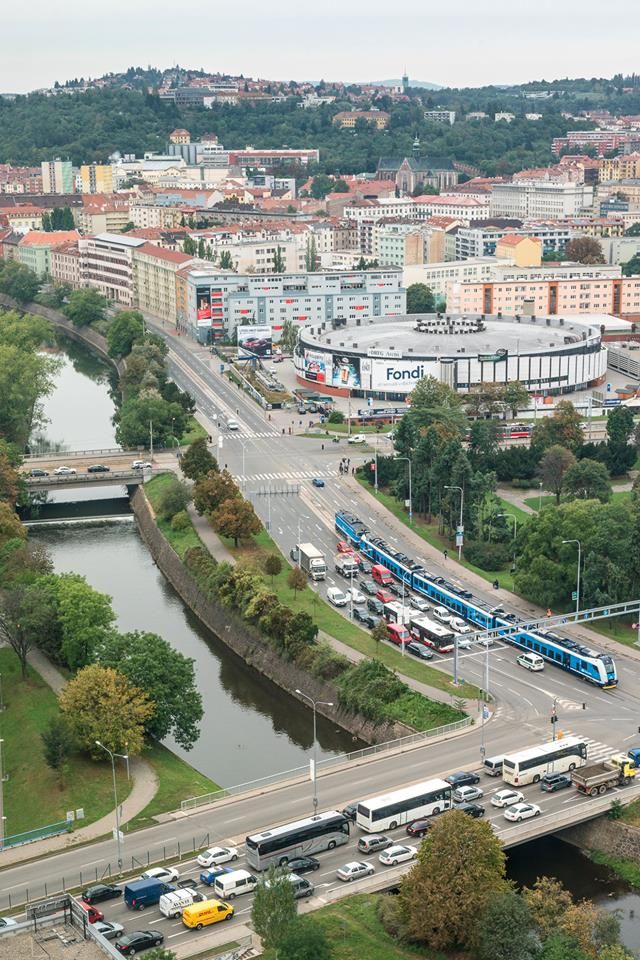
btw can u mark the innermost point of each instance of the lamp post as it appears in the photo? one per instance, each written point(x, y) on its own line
point(408, 459)
point(115, 796)
point(579, 566)
point(539, 495)
point(485, 708)
point(301, 517)
point(314, 705)
point(452, 486)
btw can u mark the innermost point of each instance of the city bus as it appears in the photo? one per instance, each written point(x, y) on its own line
point(432, 634)
point(402, 806)
point(557, 756)
point(298, 839)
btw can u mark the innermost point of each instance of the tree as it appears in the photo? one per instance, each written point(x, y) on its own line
point(553, 466)
point(547, 901)
point(405, 437)
point(516, 396)
point(173, 499)
point(633, 231)
point(57, 743)
point(212, 490)
point(126, 328)
point(311, 254)
point(460, 861)
point(24, 616)
point(100, 704)
point(19, 282)
point(380, 632)
point(140, 414)
point(304, 939)
point(587, 480)
point(274, 907)
point(589, 927)
point(632, 267)
point(288, 335)
point(84, 617)
point(272, 565)
point(197, 460)
point(562, 427)
point(236, 518)
point(226, 260)
point(434, 403)
point(484, 447)
point(584, 250)
point(420, 299)
point(296, 579)
point(160, 953)
point(85, 307)
point(561, 947)
point(621, 455)
point(278, 260)
point(10, 526)
point(167, 677)
point(8, 481)
point(62, 219)
point(505, 929)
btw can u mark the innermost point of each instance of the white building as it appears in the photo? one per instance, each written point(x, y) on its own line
point(106, 263)
point(440, 116)
point(541, 200)
point(504, 116)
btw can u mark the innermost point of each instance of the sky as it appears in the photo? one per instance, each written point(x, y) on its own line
point(485, 42)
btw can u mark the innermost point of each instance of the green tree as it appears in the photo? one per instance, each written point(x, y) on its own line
point(434, 403)
point(311, 255)
point(420, 299)
point(10, 526)
point(587, 480)
point(57, 743)
point(140, 414)
point(300, 634)
point(405, 437)
point(304, 939)
point(84, 617)
point(26, 377)
point(484, 443)
point(160, 953)
point(633, 231)
point(552, 468)
point(505, 929)
point(24, 616)
point(62, 219)
point(237, 519)
point(584, 250)
point(272, 565)
point(226, 260)
point(288, 335)
point(321, 185)
point(197, 460)
point(621, 454)
point(632, 267)
point(274, 907)
point(516, 396)
point(167, 677)
point(173, 499)
point(100, 704)
point(380, 632)
point(127, 328)
point(85, 307)
point(212, 490)
point(547, 901)
point(296, 579)
point(18, 281)
point(460, 858)
point(563, 427)
point(278, 260)
point(561, 947)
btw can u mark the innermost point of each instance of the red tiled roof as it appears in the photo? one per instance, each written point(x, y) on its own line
point(160, 253)
point(38, 238)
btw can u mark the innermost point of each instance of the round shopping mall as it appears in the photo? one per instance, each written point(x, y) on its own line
point(385, 357)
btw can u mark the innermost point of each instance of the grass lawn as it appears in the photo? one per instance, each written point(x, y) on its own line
point(629, 870)
point(619, 496)
point(507, 507)
point(344, 428)
point(355, 933)
point(180, 540)
point(33, 796)
point(178, 781)
point(194, 431)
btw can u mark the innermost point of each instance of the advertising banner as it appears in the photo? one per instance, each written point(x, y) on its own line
point(203, 308)
point(345, 371)
point(400, 375)
point(314, 366)
point(255, 340)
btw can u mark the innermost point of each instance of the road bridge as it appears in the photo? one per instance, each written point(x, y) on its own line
point(128, 478)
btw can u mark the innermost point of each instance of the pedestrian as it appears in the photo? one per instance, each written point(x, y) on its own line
point(445, 554)
point(283, 431)
point(549, 614)
point(353, 471)
point(323, 446)
point(349, 462)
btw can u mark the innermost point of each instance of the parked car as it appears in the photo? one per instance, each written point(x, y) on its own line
point(132, 943)
point(303, 864)
point(462, 778)
point(471, 809)
point(318, 482)
point(522, 811)
point(373, 842)
point(354, 871)
point(337, 597)
point(420, 650)
point(418, 828)
point(98, 468)
point(100, 892)
point(506, 798)
point(109, 929)
point(419, 603)
point(371, 622)
point(215, 855)
point(64, 471)
point(350, 811)
point(365, 618)
point(168, 874)
point(370, 587)
point(398, 853)
point(465, 794)
point(37, 472)
point(551, 782)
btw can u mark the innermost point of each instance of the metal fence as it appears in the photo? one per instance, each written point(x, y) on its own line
point(302, 772)
point(39, 833)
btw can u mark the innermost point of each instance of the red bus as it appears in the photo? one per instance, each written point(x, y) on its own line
point(381, 575)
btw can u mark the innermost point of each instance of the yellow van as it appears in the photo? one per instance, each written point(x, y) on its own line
point(200, 915)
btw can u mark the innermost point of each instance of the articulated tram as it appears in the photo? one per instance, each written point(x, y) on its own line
point(597, 668)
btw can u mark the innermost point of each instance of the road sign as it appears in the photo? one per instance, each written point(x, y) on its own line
point(574, 595)
point(45, 907)
point(117, 835)
point(459, 535)
point(608, 388)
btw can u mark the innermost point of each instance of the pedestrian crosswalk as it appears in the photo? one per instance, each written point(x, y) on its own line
point(289, 475)
point(596, 750)
point(249, 434)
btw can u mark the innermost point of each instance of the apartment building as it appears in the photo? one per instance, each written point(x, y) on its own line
point(347, 119)
point(481, 240)
point(20, 179)
point(35, 247)
point(272, 158)
point(398, 244)
point(109, 216)
point(147, 215)
point(438, 276)
point(524, 251)
point(154, 279)
point(440, 116)
point(57, 176)
point(64, 267)
point(542, 200)
point(22, 218)
point(106, 263)
point(96, 178)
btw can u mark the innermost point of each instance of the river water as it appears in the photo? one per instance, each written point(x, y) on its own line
point(250, 728)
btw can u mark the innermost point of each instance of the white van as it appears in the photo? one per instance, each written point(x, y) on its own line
point(441, 614)
point(531, 661)
point(172, 904)
point(231, 885)
point(492, 766)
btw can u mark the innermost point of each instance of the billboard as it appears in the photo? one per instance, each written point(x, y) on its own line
point(203, 306)
point(345, 371)
point(314, 366)
point(400, 376)
point(255, 340)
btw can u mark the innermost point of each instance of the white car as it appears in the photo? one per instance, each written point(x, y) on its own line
point(168, 874)
point(141, 465)
point(64, 471)
point(337, 597)
point(7, 922)
point(522, 811)
point(356, 596)
point(354, 871)
point(357, 438)
point(216, 855)
point(464, 643)
point(398, 853)
point(466, 794)
point(459, 625)
point(506, 798)
point(441, 614)
point(419, 603)
point(109, 929)
point(485, 641)
point(233, 425)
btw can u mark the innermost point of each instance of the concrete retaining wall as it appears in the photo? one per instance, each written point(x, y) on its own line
point(612, 837)
point(245, 641)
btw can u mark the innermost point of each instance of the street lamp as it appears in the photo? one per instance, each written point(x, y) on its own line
point(579, 565)
point(460, 528)
point(539, 495)
point(408, 459)
point(115, 796)
point(314, 705)
point(301, 517)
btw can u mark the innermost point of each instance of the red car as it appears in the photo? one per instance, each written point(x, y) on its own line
point(384, 596)
point(344, 547)
point(93, 913)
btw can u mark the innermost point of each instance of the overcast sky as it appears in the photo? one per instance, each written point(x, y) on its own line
point(351, 40)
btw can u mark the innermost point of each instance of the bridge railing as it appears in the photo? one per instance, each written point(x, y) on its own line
point(402, 743)
point(78, 454)
point(75, 478)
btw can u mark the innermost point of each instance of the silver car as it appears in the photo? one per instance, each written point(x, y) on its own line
point(465, 794)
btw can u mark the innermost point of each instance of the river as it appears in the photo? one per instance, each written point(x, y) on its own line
point(250, 728)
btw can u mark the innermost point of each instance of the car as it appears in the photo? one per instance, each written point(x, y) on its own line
point(384, 596)
point(132, 943)
point(554, 781)
point(462, 778)
point(354, 871)
point(485, 641)
point(303, 864)
point(373, 842)
point(360, 614)
point(98, 468)
point(465, 794)
point(350, 811)
point(420, 650)
point(215, 855)
point(418, 828)
point(168, 874)
point(209, 877)
point(93, 914)
point(522, 811)
point(372, 622)
point(506, 798)
point(64, 471)
point(398, 853)
point(356, 596)
point(7, 922)
point(459, 625)
point(293, 554)
point(419, 603)
point(233, 425)
point(471, 809)
point(441, 614)
point(370, 587)
point(365, 565)
point(337, 597)
point(376, 606)
point(141, 465)
point(343, 546)
point(318, 482)
point(187, 884)
point(100, 892)
point(357, 438)
point(37, 472)
point(109, 929)
point(464, 643)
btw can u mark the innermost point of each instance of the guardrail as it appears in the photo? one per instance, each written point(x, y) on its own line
point(110, 476)
point(76, 454)
point(192, 803)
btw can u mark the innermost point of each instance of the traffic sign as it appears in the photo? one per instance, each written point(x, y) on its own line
point(608, 388)
point(574, 595)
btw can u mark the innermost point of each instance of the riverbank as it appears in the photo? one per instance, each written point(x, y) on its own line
point(611, 843)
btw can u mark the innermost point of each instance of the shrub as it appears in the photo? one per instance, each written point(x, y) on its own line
point(520, 483)
point(336, 417)
point(487, 556)
point(323, 662)
point(390, 913)
point(180, 521)
point(173, 499)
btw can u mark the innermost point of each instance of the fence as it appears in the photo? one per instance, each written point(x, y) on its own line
point(303, 772)
point(39, 833)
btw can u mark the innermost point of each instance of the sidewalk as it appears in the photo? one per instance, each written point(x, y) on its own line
point(209, 537)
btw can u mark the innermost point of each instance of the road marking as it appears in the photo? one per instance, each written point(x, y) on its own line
point(92, 862)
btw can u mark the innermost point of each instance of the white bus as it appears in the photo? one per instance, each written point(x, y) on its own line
point(432, 634)
point(298, 839)
point(528, 766)
point(402, 806)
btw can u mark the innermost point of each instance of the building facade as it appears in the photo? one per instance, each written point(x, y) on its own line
point(106, 263)
point(154, 279)
point(541, 200)
point(541, 297)
point(57, 176)
point(96, 178)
